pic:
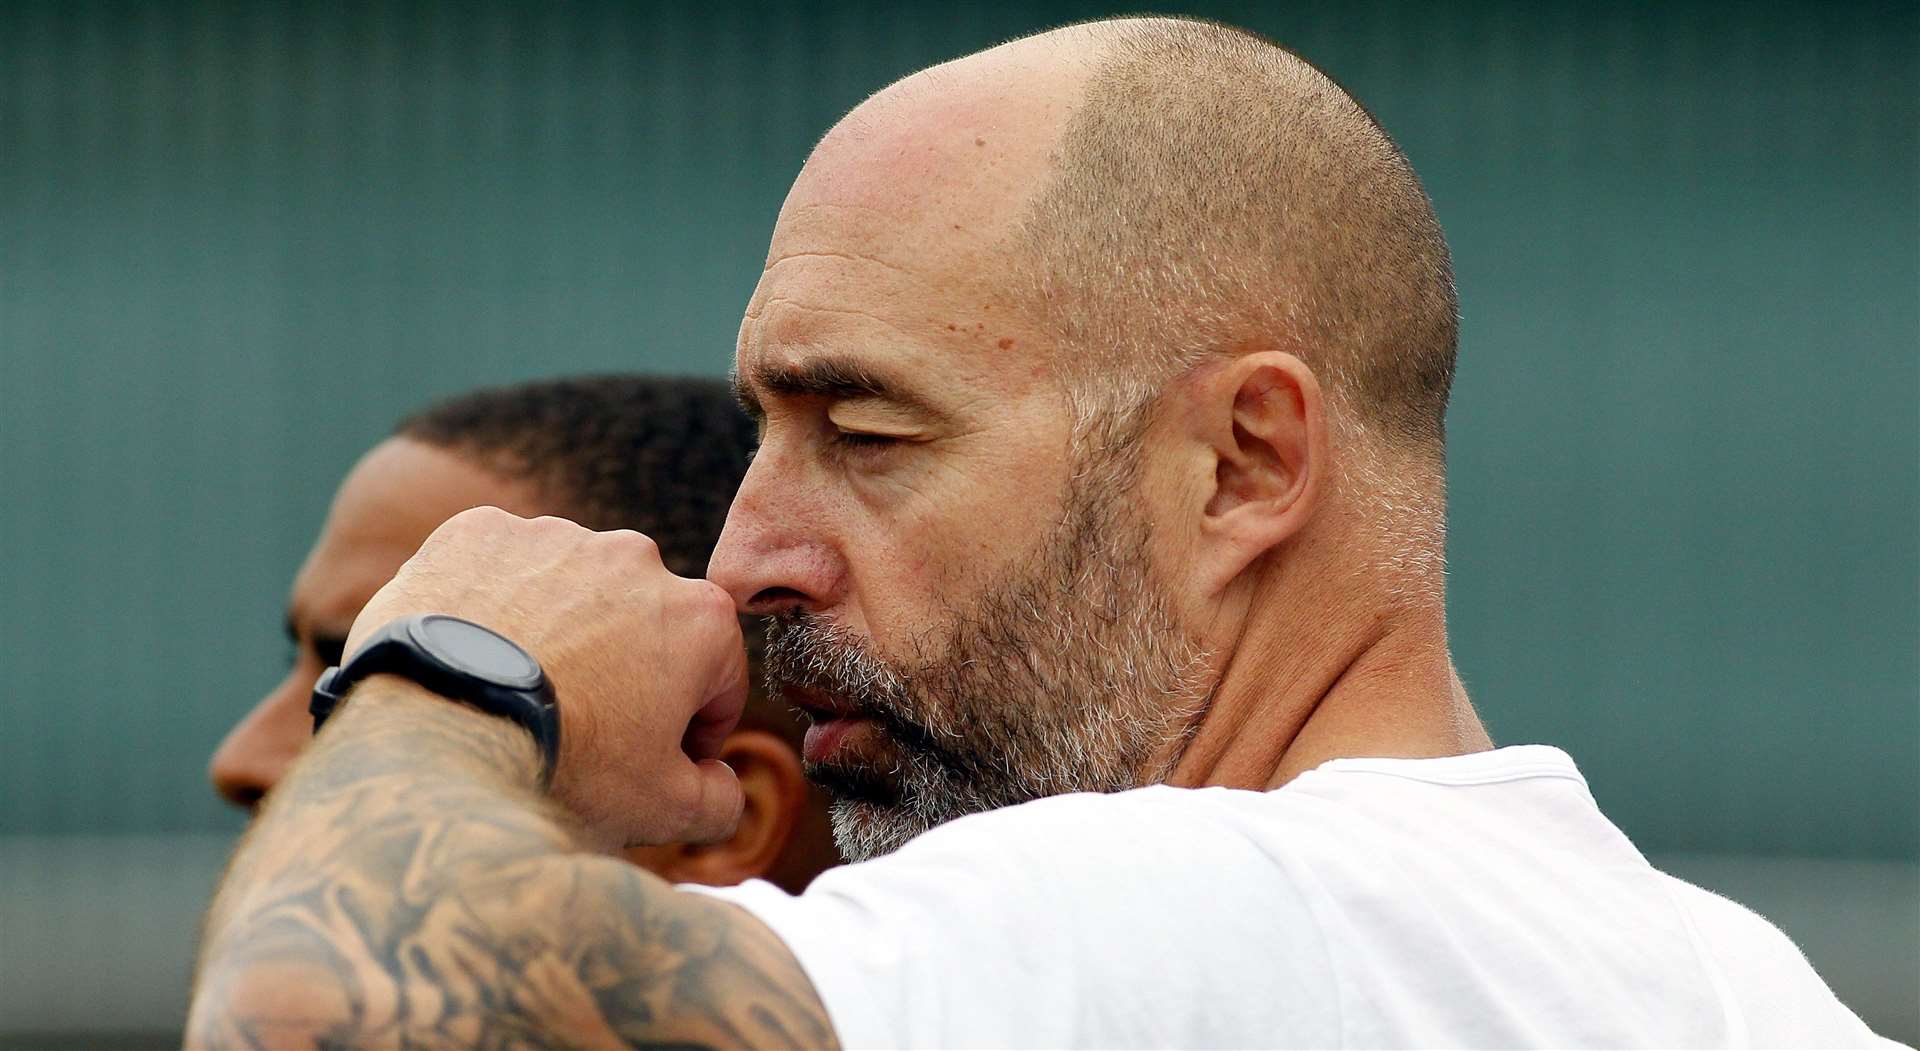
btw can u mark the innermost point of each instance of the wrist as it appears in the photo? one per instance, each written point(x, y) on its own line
point(471, 739)
point(458, 660)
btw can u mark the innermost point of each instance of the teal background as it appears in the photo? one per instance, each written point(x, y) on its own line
point(238, 241)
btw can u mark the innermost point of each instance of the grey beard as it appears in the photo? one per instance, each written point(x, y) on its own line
point(1071, 677)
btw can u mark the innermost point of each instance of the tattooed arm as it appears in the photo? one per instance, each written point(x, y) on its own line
point(408, 886)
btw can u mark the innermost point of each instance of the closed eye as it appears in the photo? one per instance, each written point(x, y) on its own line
point(864, 440)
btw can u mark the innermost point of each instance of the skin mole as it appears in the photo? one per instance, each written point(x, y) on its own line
point(1006, 344)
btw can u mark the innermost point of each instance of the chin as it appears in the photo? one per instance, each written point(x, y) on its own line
point(864, 830)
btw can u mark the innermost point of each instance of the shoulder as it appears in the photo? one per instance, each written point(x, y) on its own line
point(1142, 841)
point(1093, 819)
point(1117, 819)
point(1783, 1000)
point(979, 930)
point(1737, 935)
point(1086, 850)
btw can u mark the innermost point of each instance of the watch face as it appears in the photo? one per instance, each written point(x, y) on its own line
point(477, 651)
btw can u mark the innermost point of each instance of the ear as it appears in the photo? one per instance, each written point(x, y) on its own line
point(776, 790)
point(1264, 421)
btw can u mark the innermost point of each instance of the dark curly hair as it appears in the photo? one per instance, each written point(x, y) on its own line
point(657, 454)
point(661, 455)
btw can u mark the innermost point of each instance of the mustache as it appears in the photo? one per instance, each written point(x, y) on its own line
point(806, 651)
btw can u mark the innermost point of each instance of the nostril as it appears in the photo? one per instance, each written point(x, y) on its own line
point(769, 601)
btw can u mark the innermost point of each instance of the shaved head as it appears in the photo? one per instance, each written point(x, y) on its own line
point(1214, 191)
point(1154, 192)
point(1086, 365)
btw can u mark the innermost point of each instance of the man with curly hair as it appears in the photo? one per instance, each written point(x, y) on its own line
point(655, 454)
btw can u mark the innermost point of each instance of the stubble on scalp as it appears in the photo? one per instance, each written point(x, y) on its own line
point(1214, 189)
point(1213, 193)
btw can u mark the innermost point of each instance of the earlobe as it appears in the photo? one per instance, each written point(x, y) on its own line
point(1268, 432)
point(775, 788)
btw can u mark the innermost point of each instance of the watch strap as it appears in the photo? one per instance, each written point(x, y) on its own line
point(400, 648)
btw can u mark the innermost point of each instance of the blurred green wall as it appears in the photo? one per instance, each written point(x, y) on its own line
point(237, 241)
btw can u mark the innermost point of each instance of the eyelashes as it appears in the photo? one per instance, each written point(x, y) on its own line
point(849, 443)
point(863, 441)
point(865, 451)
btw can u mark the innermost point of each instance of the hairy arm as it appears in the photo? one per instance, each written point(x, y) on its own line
point(408, 886)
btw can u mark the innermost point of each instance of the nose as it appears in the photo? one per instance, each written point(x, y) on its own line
point(774, 554)
point(258, 750)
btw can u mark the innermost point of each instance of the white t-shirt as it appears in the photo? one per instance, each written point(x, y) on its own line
point(1479, 900)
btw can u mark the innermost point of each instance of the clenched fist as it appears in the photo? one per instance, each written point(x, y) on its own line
point(649, 667)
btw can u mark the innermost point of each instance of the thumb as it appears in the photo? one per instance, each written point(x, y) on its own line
point(721, 801)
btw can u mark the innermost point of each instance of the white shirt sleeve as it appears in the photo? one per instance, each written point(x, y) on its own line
point(1107, 921)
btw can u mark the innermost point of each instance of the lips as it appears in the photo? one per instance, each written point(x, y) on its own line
point(819, 707)
point(826, 740)
point(832, 721)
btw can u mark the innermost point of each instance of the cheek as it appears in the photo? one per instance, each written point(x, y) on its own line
point(913, 563)
point(888, 577)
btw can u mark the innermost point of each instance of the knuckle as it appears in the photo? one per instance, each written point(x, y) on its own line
point(711, 604)
point(485, 514)
point(719, 603)
point(474, 521)
point(636, 543)
point(554, 524)
point(712, 616)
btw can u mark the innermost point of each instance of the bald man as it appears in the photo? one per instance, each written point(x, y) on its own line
point(1099, 505)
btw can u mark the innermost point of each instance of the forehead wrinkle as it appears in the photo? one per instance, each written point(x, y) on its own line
point(896, 272)
point(807, 223)
point(887, 217)
point(852, 257)
point(789, 330)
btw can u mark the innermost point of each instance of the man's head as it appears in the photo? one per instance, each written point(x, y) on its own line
point(657, 455)
point(1091, 367)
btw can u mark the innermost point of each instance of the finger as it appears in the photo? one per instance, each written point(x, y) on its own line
point(707, 731)
point(719, 661)
point(721, 802)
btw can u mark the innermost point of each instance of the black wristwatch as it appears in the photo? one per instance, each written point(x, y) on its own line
point(459, 660)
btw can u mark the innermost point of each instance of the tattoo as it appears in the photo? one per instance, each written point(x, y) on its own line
point(408, 887)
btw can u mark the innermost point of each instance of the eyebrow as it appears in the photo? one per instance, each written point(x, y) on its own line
point(832, 378)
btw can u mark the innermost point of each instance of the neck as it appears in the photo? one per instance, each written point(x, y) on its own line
point(1380, 686)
